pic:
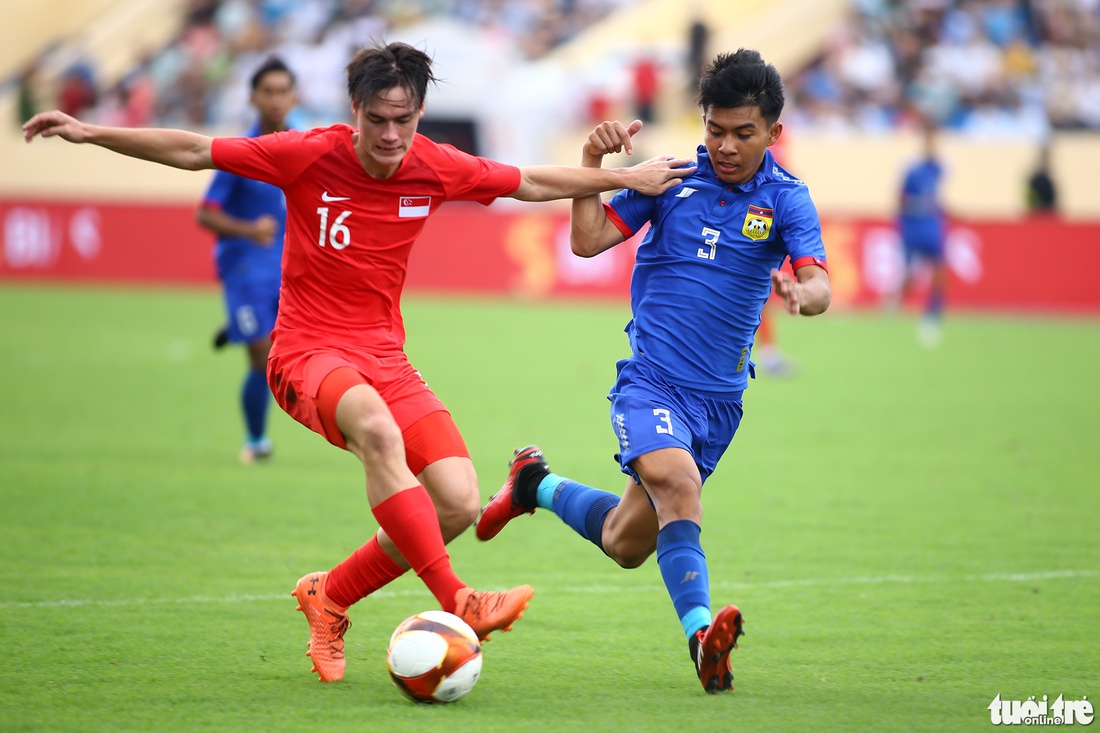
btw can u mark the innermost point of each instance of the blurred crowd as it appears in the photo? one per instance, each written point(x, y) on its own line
point(198, 80)
point(995, 68)
point(1009, 68)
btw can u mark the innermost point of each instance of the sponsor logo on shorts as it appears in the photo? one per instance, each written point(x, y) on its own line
point(620, 430)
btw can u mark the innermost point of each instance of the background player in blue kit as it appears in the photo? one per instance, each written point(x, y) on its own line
point(703, 272)
point(922, 226)
point(249, 218)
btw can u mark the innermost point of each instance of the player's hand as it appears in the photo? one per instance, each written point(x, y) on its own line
point(611, 137)
point(55, 124)
point(263, 230)
point(657, 175)
point(789, 289)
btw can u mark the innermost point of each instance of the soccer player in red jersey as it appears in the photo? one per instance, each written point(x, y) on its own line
point(356, 201)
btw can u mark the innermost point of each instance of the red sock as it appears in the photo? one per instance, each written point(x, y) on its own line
point(365, 571)
point(409, 518)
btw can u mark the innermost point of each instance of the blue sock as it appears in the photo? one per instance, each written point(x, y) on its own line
point(581, 507)
point(255, 397)
point(684, 570)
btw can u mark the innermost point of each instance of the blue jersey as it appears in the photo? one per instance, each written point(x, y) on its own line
point(244, 198)
point(703, 270)
point(921, 221)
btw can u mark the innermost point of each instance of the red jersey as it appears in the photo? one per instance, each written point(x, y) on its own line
point(348, 235)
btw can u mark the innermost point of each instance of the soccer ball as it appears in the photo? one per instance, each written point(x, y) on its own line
point(434, 656)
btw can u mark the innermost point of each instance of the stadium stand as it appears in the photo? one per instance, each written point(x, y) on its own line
point(1005, 77)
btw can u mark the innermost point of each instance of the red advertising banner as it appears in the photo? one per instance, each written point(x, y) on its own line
point(50, 240)
point(1033, 264)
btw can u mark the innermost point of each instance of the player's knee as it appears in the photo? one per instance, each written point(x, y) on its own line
point(457, 503)
point(629, 532)
point(628, 546)
point(373, 436)
point(458, 514)
point(629, 555)
point(676, 495)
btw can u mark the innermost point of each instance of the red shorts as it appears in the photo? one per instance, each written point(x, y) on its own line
point(309, 385)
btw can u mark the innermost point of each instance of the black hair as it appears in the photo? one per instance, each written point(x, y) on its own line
point(742, 79)
point(272, 64)
point(378, 68)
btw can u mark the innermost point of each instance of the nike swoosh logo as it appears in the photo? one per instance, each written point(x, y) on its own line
point(328, 199)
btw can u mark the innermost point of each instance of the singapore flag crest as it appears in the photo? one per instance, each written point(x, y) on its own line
point(414, 207)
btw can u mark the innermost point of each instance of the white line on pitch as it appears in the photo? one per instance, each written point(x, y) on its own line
point(595, 588)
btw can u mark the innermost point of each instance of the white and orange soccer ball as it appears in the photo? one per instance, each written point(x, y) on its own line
point(434, 656)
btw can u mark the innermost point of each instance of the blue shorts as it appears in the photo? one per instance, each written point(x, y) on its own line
point(250, 309)
point(915, 254)
point(648, 413)
point(922, 243)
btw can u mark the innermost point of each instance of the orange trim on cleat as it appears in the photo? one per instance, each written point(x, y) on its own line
point(503, 507)
point(327, 626)
point(712, 660)
point(486, 611)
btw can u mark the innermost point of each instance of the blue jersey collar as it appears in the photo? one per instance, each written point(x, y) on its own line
point(762, 176)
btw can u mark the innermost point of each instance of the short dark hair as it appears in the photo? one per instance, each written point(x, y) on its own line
point(378, 68)
point(742, 79)
point(271, 65)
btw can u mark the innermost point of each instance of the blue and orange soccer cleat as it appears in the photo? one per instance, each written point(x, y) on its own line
point(504, 506)
point(327, 627)
point(712, 658)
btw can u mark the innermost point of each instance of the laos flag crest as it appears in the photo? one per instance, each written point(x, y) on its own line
point(758, 223)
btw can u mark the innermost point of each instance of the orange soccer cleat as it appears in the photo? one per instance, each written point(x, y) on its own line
point(712, 658)
point(327, 626)
point(487, 611)
point(504, 506)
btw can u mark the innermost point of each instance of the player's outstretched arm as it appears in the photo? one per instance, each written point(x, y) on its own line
point(653, 177)
point(808, 295)
point(552, 182)
point(176, 148)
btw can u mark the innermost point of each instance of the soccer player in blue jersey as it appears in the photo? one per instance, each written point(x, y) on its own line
point(922, 226)
point(704, 270)
point(249, 219)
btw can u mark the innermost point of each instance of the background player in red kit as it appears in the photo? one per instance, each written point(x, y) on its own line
point(356, 201)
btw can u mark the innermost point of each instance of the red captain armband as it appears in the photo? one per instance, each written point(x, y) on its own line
point(804, 261)
point(618, 221)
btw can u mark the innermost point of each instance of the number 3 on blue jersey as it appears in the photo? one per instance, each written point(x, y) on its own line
point(710, 239)
point(664, 416)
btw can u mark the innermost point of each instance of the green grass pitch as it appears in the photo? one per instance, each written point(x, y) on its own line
point(908, 532)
